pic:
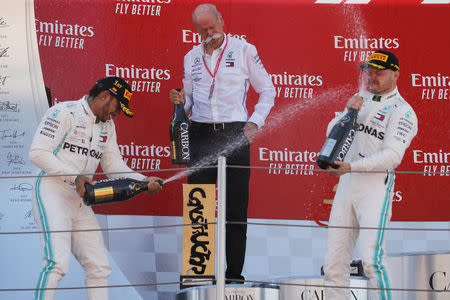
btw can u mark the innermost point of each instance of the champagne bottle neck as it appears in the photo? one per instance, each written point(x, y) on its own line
point(179, 110)
point(353, 113)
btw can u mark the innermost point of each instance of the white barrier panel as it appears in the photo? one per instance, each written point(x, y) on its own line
point(420, 271)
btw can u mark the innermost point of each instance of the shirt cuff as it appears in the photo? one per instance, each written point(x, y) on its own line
point(257, 119)
point(70, 179)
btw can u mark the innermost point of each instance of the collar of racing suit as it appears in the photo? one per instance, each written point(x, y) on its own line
point(384, 97)
point(87, 109)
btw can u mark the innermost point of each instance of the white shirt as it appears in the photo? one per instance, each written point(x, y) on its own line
point(239, 67)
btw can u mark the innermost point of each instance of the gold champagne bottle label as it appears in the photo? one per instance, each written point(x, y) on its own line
point(105, 193)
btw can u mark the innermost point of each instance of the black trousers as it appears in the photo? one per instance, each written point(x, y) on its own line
point(208, 142)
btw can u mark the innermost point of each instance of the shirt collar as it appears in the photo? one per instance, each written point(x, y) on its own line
point(87, 110)
point(202, 49)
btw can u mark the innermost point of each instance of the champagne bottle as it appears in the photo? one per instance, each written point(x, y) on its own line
point(114, 190)
point(179, 136)
point(338, 141)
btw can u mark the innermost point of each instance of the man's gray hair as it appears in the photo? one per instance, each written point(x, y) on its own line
point(206, 8)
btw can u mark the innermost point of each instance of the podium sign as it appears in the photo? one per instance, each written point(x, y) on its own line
point(199, 207)
point(311, 288)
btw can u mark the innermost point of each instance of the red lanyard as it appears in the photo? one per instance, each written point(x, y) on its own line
point(211, 90)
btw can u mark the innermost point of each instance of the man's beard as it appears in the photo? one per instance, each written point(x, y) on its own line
point(209, 39)
point(374, 87)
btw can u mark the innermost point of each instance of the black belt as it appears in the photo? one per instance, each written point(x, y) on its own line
point(219, 126)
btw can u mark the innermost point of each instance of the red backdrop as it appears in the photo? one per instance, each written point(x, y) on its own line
point(312, 51)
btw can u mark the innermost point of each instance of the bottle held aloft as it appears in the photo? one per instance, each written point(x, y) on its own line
point(338, 141)
point(179, 136)
point(114, 190)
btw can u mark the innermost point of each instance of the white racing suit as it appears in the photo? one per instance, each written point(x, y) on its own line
point(68, 142)
point(385, 130)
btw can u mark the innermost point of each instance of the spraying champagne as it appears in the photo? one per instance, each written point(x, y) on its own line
point(114, 190)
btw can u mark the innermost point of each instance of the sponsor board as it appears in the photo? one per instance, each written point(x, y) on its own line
point(146, 79)
point(199, 208)
point(59, 34)
point(434, 163)
point(295, 86)
point(193, 37)
point(359, 48)
point(288, 162)
point(140, 7)
point(144, 157)
point(432, 86)
point(359, 2)
point(312, 62)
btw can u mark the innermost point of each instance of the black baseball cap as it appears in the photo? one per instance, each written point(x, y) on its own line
point(381, 59)
point(120, 89)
